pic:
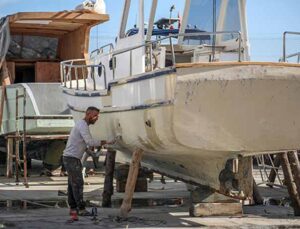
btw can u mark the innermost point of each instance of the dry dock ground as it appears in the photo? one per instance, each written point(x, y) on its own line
point(164, 206)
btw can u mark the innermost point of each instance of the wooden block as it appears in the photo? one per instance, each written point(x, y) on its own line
point(120, 185)
point(141, 185)
point(216, 209)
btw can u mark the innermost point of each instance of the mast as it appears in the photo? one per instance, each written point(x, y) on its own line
point(244, 29)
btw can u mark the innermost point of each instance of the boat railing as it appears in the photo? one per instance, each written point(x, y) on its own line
point(101, 49)
point(297, 54)
point(170, 38)
point(76, 71)
point(285, 56)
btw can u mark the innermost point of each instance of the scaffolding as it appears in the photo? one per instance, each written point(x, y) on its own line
point(21, 137)
point(269, 168)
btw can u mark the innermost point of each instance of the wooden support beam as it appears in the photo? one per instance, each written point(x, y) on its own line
point(274, 171)
point(9, 160)
point(256, 194)
point(244, 176)
point(3, 97)
point(17, 160)
point(24, 141)
point(131, 181)
point(295, 167)
point(108, 190)
point(291, 186)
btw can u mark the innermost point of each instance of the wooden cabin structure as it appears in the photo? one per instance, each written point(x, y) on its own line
point(32, 108)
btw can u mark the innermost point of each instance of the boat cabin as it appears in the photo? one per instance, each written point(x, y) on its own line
point(157, 34)
point(39, 41)
point(203, 31)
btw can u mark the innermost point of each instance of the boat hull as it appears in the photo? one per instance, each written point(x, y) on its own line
point(205, 116)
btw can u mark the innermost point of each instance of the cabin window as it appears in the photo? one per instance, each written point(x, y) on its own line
point(232, 20)
point(32, 47)
point(201, 15)
point(211, 16)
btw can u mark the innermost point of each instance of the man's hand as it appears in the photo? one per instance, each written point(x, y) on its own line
point(111, 142)
point(105, 143)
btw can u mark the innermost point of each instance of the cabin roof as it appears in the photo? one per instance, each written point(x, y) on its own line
point(53, 23)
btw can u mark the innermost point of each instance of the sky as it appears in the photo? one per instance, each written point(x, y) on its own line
point(267, 20)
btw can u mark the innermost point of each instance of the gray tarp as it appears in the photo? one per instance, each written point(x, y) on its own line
point(4, 38)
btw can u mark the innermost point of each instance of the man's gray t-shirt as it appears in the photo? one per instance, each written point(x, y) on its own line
point(80, 138)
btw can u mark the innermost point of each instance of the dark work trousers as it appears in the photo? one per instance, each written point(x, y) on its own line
point(63, 169)
point(75, 182)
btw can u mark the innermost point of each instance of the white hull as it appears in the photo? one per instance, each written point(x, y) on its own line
point(42, 99)
point(203, 115)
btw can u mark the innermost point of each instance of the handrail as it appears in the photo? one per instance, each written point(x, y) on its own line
point(70, 68)
point(67, 66)
point(291, 56)
point(150, 43)
point(284, 57)
point(100, 50)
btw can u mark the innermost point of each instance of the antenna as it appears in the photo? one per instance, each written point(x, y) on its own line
point(171, 11)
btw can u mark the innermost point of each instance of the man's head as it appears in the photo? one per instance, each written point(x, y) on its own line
point(91, 115)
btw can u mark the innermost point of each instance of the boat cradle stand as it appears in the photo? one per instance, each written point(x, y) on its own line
point(236, 188)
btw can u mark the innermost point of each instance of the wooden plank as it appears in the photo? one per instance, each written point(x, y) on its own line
point(5, 80)
point(295, 167)
point(41, 32)
point(131, 182)
point(295, 199)
point(12, 72)
point(3, 98)
point(27, 28)
point(17, 160)
point(216, 209)
point(73, 16)
point(65, 26)
point(9, 160)
point(274, 171)
point(47, 72)
point(74, 45)
point(32, 61)
point(244, 176)
point(108, 189)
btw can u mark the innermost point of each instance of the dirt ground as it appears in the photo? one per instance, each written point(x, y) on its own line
point(44, 205)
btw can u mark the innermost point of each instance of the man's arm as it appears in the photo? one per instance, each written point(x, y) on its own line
point(87, 137)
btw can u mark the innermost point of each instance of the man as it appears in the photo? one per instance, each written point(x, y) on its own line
point(80, 138)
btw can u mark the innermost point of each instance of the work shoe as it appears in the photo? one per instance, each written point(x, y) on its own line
point(74, 215)
point(84, 212)
point(63, 174)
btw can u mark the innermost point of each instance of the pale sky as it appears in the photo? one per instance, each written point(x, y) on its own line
point(267, 20)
